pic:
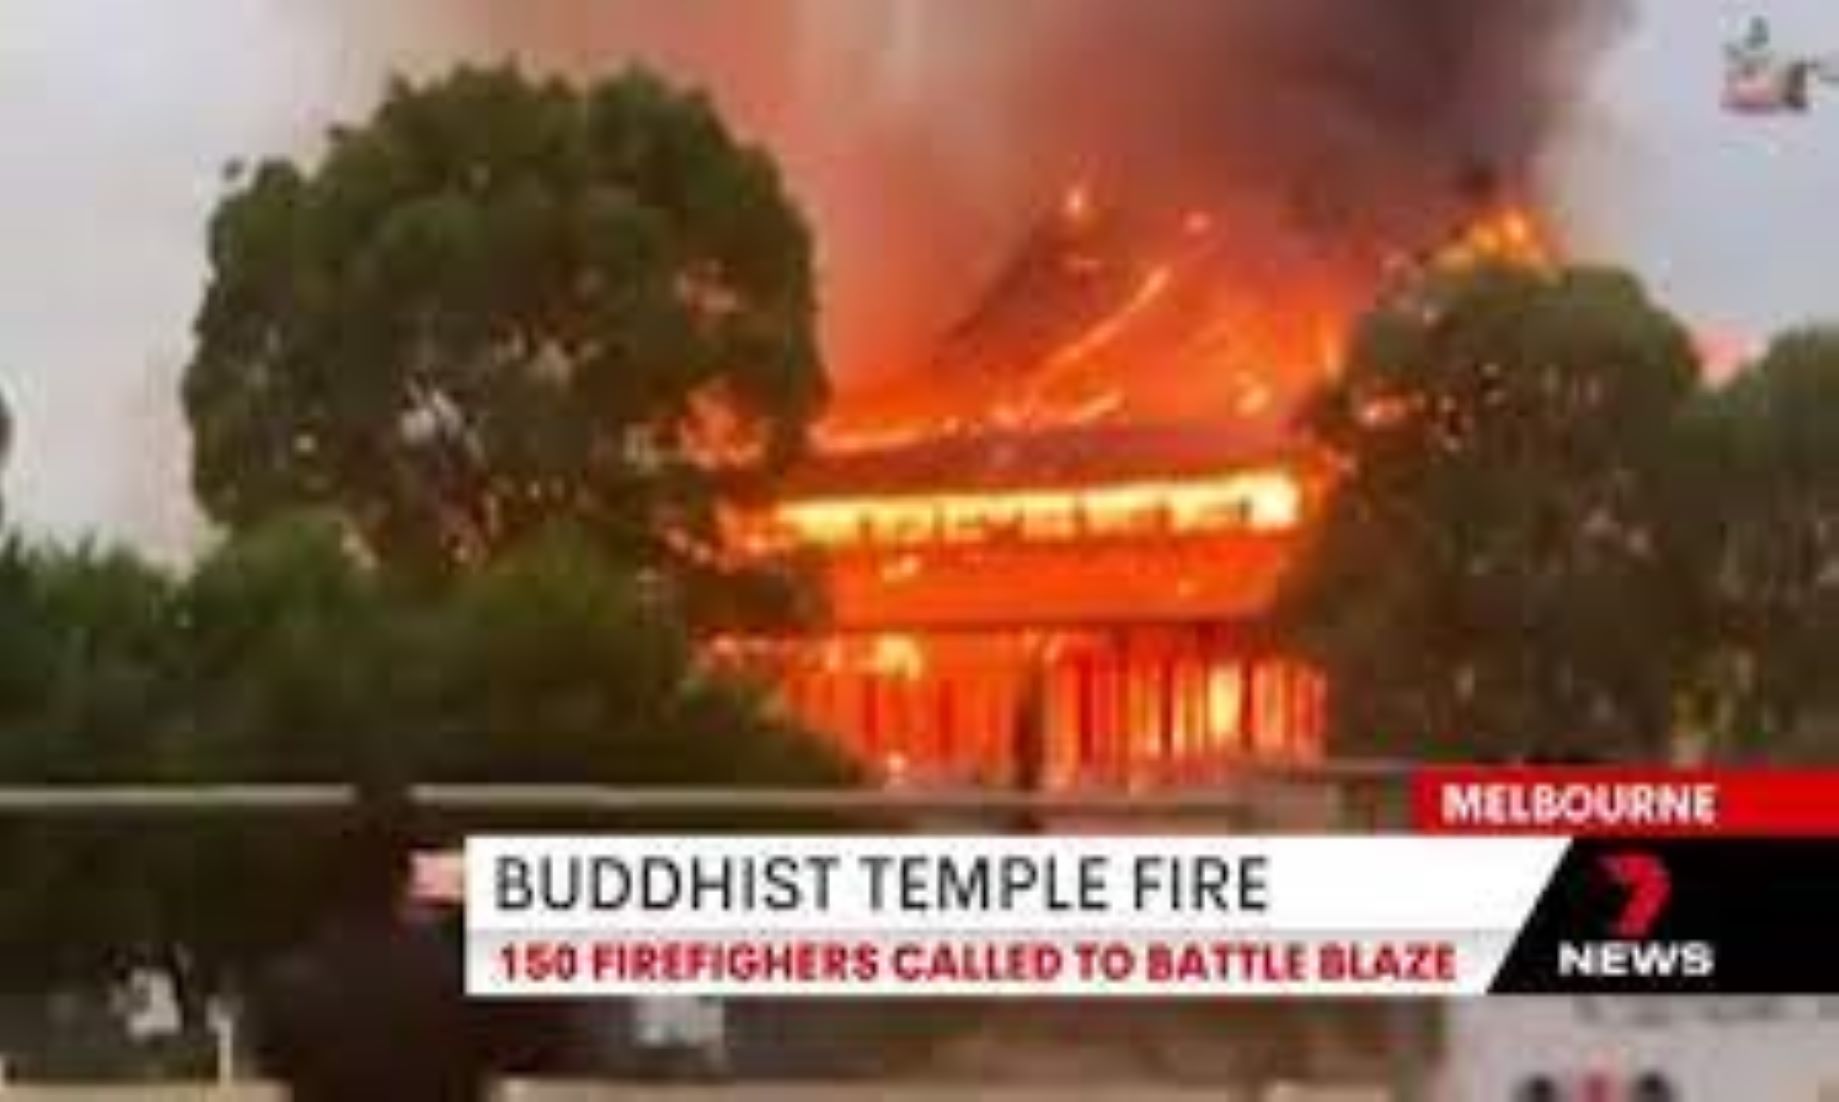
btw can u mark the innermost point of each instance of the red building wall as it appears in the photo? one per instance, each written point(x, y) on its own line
point(1130, 609)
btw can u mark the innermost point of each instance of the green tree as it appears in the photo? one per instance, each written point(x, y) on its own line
point(85, 636)
point(85, 677)
point(547, 665)
point(501, 303)
point(1494, 576)
point(286, 656)
point(291, 646)
point(6, 440)
point(550, 664)
point(1767, 479)
point(554, 666)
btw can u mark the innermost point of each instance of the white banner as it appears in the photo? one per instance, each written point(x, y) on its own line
point(1001, 916)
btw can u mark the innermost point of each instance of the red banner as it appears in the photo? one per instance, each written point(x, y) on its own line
point(1626, 802)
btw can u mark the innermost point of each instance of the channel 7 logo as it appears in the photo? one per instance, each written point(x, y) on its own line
point(1648, 888)
point(1641, 886)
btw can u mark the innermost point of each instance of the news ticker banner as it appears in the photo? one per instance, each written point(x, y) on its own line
point(1655, 884)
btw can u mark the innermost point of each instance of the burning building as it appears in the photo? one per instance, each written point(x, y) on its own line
point(1112, 579)
point(1078, 516)
point(1072, 512)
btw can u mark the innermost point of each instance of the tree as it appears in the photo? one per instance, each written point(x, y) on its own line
point(547, 665)
point(85, 675)
point(286, 656)
point(294, 657)
point(1494, 575)
point(85, 636)
point(6, 439)
point(1768, 482)
point(502, 303)
point(551, 666)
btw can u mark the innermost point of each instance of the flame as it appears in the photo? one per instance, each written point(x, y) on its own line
point(1148, 291)
point(1329, 342)
point(1512, 234)
point(1209, 315)
point(899, 656)
point(1203, 319)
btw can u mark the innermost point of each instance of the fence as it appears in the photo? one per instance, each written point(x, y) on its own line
point(521, 1092)
point(1358, 796)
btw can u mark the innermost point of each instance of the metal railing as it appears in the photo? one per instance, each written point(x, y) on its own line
point(1244, 791)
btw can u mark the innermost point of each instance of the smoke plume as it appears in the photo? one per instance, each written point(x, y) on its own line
point(925, 134)
point(925, 137)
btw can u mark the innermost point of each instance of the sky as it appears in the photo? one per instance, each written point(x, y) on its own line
point(1729, 218)
point(117, 118)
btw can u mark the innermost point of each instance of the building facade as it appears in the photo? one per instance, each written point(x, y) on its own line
point(1083, 607)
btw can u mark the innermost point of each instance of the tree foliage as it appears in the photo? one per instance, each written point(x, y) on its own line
point(6, 438)
point(285, 657)
point(501, 303)
point(84, 661)
point(1765, 449)
point(84, 674)
point(1494, 575)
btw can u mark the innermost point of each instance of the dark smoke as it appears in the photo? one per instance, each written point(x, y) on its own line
point(926, 135)
point(1374, 112)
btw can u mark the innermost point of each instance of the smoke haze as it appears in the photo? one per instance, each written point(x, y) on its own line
point(924, 139)
point(922, 135)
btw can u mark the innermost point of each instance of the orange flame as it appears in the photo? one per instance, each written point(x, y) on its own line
point(1148, 290)
point(1208, 319)
point(1512, 235)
